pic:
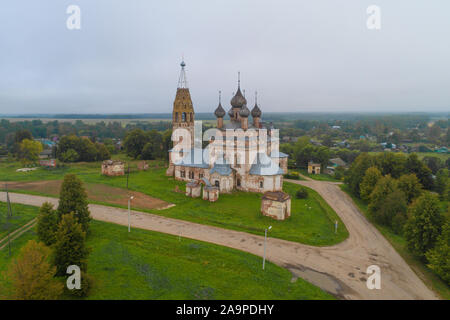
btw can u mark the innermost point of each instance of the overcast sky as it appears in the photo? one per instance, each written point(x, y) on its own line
point(299, 55)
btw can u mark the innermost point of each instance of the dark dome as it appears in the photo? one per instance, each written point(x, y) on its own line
point(256, 112)
point(238, 100)
point(244, 112)
point(220, 112)
point(231, 113)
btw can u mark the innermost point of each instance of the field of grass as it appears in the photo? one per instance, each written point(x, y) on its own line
point(400, 245)
point(21, 216)
point(311, 221)
point(150, 265)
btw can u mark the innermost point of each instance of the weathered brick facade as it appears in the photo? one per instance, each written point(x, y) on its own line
point(113, 168)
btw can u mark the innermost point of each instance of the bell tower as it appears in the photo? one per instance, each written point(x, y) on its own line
point(183, 109)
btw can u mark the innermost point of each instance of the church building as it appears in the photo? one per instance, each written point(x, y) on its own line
point(223, 167)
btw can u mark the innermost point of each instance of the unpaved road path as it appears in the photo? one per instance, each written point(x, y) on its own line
point(339, 269)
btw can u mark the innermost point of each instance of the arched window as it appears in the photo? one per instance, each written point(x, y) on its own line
point(176, 116)
point(183, 117)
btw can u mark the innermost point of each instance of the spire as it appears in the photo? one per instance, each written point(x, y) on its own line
point(182, 81)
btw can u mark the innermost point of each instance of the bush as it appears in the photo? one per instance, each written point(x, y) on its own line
point(292, 175)
point(86, 286)
point(302, 193)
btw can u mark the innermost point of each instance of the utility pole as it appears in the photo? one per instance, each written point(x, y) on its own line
point(128, 173)
point(8, 202)
point(129, 212)
point(265, 240)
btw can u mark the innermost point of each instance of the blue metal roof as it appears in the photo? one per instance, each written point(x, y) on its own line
point(190, 159)
point(264, 166)
point(278, 154)
point(222, 169)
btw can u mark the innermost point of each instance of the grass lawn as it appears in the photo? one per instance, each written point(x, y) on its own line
point(311, 221)
point(399, 243)
point(21, 215)
point(150, 265)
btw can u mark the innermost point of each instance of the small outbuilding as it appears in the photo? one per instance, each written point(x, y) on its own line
point(193, 189)
point(276, 205)
point(113, 168)
point(313, 168)
point(211, 193)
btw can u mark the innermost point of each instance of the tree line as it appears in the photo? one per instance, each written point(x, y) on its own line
point(402, 194)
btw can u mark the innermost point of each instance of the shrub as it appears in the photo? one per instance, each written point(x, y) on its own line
point(302, 193)
point(292, 175)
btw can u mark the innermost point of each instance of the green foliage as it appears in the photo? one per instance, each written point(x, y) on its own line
point(424, 224)
point(439, 256)
point(301, 193)
point(47, 224)
point(29, 150)
point(69, 155)
point(87, 282)
point(70, 246)
point(391, 163)
point(292, 175)
point(72, 148)
point(423, 173)
point(134, 143)
point(442, 184)
point(379, 206)
point(32, 275)
point(304, 152)
point(411, 187)
point(368, 182)
point(73, 199)
point(357, 171)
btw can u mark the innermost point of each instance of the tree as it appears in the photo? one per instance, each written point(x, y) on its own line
point(29, 150)
point(424, 224)
point(70, 247)
point(410, 186)
point(423, 173)
point(439, 256)
point(369, 182)
point(434, 163)
point(32, 275)
point(384, 187)
point(69, 156)
point(134, 142)
point(73, 199)
point(357, 171)
point(47, 224)
point(442, 184)
point(102, 152)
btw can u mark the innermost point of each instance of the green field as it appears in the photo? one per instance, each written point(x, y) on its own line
point(21, 216)
point(311, 221)
point(150, 265)
point(399, 243)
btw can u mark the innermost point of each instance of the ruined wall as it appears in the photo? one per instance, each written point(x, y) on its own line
point(113, 169)
point(279, 210)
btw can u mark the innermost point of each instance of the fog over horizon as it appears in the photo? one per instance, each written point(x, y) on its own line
point(301, 56)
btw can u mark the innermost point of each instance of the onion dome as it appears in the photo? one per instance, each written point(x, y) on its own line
point(256, 112)
point(220, 112)
point(244, 112)
point(238, 101)
point(231, 113)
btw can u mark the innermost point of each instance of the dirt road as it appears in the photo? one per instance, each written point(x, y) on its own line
point(339, 269)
